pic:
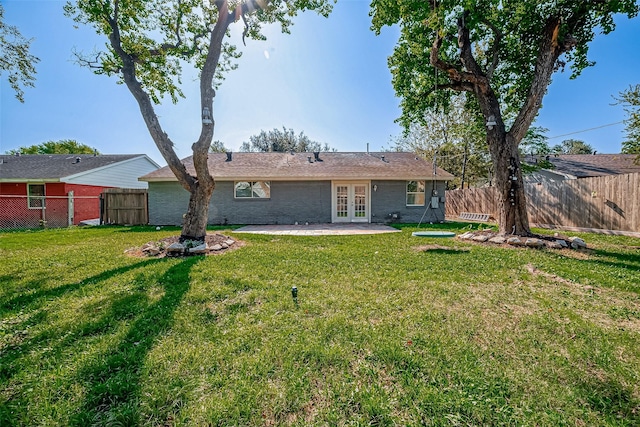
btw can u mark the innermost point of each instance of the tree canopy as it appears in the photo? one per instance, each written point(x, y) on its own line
point(536, 142)
point(630, 99)
point(15, 58)
point(572, 146)
point(63, 146)
point(504, 52)
point(489, 45)
point(218, 147)
point(284, 140)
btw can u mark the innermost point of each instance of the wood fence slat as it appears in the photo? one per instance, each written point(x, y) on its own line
point(125, 206)
point(608, 202)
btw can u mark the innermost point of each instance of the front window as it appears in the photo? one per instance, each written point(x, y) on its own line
point(415, 193)
point(253, 190)
point(35, 193)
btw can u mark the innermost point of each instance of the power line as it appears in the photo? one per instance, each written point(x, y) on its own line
point(587, 130)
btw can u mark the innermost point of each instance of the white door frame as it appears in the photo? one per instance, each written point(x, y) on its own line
point(351, 201)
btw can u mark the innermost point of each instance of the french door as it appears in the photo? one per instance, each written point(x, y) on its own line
point(350, 202)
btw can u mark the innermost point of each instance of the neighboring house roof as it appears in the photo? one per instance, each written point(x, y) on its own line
point(574, 166)
point(75, 168)
point(304, 167)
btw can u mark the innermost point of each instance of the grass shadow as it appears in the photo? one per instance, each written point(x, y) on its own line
point(31, 304)
point(610, 265)
point(112, 380)
point(625, 260)
point(438, 249)
point(608, 397)
point(21, 301)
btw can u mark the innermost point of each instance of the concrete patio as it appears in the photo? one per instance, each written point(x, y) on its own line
point(318, 229)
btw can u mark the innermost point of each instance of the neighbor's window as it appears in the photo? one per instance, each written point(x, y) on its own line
point(35, 193)
point(253, 190)
point(415, 193)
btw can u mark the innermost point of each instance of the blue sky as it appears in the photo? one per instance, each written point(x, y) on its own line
point(329, 79)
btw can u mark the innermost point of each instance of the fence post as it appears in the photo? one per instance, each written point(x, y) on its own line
point(70, 208)
point(43, 220)
point(102, 207)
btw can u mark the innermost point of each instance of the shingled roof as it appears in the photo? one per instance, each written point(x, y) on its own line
point(306, 167)
point(589, 165)
point(54, 167)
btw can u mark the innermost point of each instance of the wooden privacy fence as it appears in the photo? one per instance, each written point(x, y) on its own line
point(124, 206)
point(608, 202)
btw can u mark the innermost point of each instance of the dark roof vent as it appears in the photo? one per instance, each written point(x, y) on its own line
point(309, 158)
point(77, 160)
point(382, 158)
point(228, 156)
point(316, 155)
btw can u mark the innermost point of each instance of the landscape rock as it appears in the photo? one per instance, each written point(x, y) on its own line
point(466, 236)
point(216, 247)
point(554, 245)
point(534, 243)
point(514, 241)
point(229, 242)
point(558, 242)
point(200, 249)
point(175, 248)
point(224, 245)
point(577, 243)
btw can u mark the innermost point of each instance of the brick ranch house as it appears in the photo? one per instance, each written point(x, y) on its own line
point(326, 187)
point(63, 189)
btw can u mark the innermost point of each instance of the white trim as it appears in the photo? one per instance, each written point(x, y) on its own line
point(407, 192)
point(121, 162)
point(235, 194)
point(43, 198)
point(565, 175)
point(367, 185)
point(29, 180)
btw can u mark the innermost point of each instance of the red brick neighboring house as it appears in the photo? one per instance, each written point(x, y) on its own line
point(63, 189)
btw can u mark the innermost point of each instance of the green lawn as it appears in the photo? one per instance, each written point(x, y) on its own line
point(387, 332)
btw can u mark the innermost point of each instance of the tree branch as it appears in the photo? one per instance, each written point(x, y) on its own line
point(457, 77)
point(548, 54)
point(493, 51)
point(164, 144)
point(466, 55)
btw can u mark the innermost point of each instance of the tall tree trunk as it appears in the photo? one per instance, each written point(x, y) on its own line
point(196, 218)
point(512, 204)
